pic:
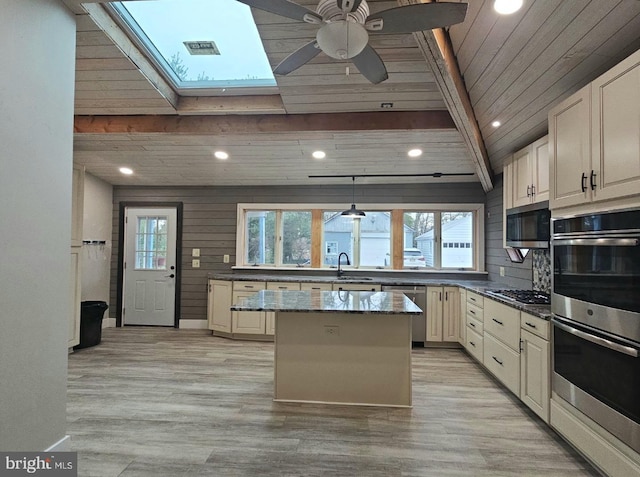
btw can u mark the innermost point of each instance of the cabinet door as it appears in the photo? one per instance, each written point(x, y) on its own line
point(521, 177)
point(534, 374)
point(462, 325)
point(219, 314)
point(451, 314)
point(247, 322)
point(434, 313)
point(270, 323)
point(540, 169)
point(570, 150)
point(615, 131)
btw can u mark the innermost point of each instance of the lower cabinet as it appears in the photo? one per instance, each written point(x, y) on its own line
point(219, 304)
point(475, 344)
point(462, 321)
point(247, 322)
point(443, 314)
point(270, 321)
point(503, 362)
point(535, 362)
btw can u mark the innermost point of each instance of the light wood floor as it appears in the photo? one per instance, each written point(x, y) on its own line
point(166, 402)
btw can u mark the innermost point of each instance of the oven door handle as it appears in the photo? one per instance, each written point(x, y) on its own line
point(600, 242)
point(597, 340)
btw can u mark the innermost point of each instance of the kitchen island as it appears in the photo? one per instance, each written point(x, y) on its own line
point(340, 347)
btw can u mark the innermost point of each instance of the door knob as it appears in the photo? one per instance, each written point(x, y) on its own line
point(169, 276)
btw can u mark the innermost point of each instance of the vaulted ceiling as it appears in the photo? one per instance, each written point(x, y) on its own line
point(507, 68)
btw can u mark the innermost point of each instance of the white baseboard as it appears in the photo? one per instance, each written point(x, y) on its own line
point(63, 445)
point(193, 324)
point(109, 323)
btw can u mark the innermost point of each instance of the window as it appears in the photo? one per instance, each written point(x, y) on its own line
point(151, 243)
point(291, 235)
point(199, 44)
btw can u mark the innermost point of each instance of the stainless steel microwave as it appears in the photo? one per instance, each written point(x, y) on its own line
point(529, 226)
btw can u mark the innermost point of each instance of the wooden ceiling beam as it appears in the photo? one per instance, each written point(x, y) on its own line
point(438, 52)
point(256, 124)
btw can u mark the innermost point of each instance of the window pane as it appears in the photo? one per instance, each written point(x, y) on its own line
point(296, 238)
point(261, 237)
point(151, 243)
point(457, 228)
point(337, 237)
point(419, 240)
point(375, 239)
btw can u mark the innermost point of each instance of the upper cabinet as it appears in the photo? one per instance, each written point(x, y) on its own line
point(594, 139)
point(529, 174)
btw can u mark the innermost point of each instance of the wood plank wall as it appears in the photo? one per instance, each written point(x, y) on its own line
point(209, 221)
point(517, 275)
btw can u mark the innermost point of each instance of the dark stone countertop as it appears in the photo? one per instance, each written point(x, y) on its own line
point(391, 302)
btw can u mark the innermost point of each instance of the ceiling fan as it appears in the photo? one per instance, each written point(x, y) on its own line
point(345, 28)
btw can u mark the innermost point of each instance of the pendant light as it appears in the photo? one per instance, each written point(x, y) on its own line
point(353, 212)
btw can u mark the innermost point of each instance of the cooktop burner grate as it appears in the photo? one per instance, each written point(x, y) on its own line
point(530, 297)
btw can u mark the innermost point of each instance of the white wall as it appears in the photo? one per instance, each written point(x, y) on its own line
point(37, 45)
point(96, 226)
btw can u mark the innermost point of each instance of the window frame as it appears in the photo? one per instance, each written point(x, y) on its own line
point(317, 238)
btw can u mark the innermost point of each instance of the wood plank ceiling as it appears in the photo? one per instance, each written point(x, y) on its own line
point(514, 67)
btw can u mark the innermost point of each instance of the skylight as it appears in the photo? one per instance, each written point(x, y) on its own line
point(200, 44)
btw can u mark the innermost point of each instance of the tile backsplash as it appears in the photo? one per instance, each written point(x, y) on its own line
point(542, 270)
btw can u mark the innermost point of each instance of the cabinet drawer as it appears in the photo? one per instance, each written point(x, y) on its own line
point(474, 344)
point(283, 286)
point(503, 322)
point(475, 298)
point(503, 362)
point(316, 286)
point(535, 325)
point(475, 311)
point(248, 286)
point(474, 324)
point(356, 287)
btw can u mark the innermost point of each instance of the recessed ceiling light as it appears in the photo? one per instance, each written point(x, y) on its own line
point(507, 7)
point(415, 153)
point(221, 155)
point(319, 154)
point(496, 124)
point(126, 171)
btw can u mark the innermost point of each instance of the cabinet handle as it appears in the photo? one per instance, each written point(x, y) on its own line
point(521, 346)
point(472, 324)
point(583, 183)
point(530, 324)
point(592, 180)
point(472, 299)
point(528, 191)
point(533, 190)
point(497, 360)
point(282, 288)
point(472, 312)
point(440, 296)
point(499, 322)
point(472, 344)
point(446, 296)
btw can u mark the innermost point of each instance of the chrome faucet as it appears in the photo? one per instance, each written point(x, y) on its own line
point(340, 271)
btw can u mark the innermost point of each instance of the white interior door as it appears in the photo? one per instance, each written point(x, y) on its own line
point(150, 266)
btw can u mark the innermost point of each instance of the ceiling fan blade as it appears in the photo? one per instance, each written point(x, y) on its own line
point(298, 58)
point(348, 6)
point(285, 8)
point(370, 65)
point(416, 17)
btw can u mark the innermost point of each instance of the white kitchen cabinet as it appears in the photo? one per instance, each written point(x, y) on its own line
point(77, 205)
point(530, 173)
point(73, 337)
point(474, 344)
point(594, 139)
point(357, 287)
point(534, 373)
point(218, 306)
point(462, 325)
point(503, 322)
point(503, 362)
point(443, 314)
point(247, 322)
point(270, 323)
point(316, 286)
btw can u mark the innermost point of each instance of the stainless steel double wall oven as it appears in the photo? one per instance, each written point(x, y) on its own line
point(596, 324)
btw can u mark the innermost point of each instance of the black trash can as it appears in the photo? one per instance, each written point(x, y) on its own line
point(91, 313)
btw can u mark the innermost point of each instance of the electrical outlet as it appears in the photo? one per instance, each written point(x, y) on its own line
point(535, 276)
point(195, 252)
point(195, 263)
point(502, 271)
point(225, 258)
point(331, 330)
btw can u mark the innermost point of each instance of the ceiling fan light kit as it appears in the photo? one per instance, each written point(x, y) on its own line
point(346, 25)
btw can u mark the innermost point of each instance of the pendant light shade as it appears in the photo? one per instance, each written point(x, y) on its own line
point(353, 212)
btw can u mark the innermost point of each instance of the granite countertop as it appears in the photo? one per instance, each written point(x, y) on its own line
point(481, 287)
point(390, 302)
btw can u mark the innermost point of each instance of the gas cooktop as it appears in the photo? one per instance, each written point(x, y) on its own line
point(529, 297)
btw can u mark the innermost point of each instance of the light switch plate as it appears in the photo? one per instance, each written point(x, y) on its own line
point(195, 252)
point(195, 263)
point(225, 258)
